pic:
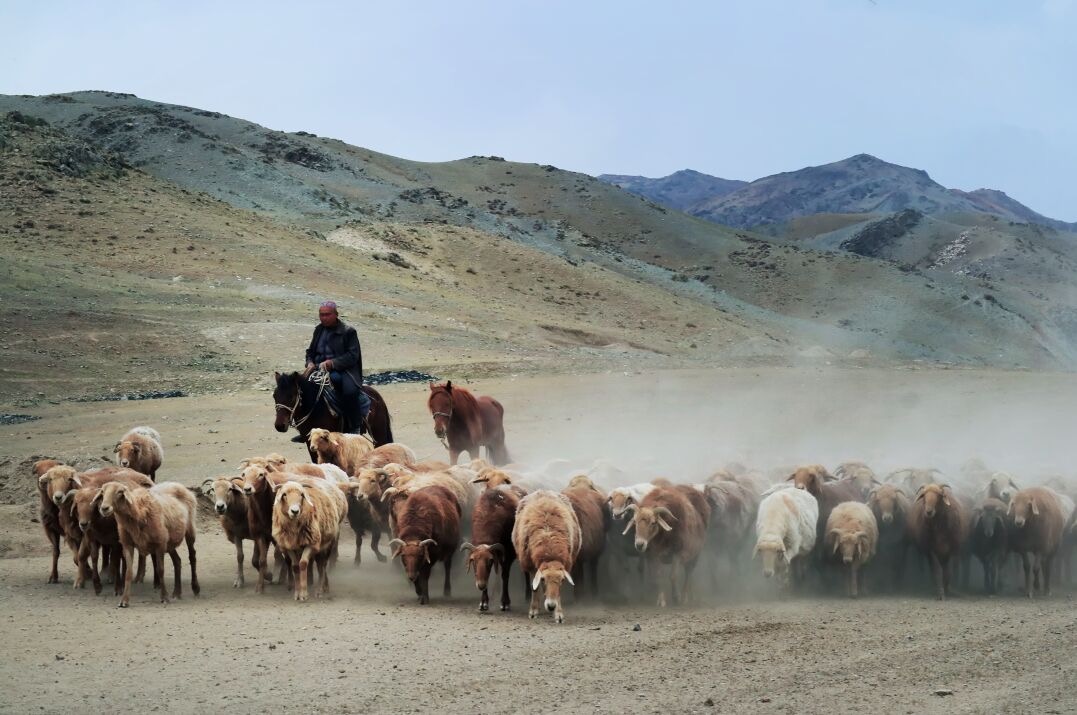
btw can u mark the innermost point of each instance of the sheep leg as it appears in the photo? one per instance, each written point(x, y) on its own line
point(937, 575)
point(593, 578)
point(115, 565)
point(193, 558)
point(82, 559)
point(140, 575)
point(304, 574)
point(177, 567)
point(95, 553)
point(375, 537)
point(853, 592)
point(286, 572)
point(533, 594)
point(447, 590)
point(259, 560)
point(687, 569)
point(662, 578)
point(129, 554)
point(320, 561)
point(238, 583)
point(1046, 559)
point(296, 578)
point(1027, 563)
point(505, 602)
point(358, 560)
point(54, 540)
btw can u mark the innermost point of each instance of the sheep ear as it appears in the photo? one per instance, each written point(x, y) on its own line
point(1035, 508)
point(77, 482)
point(207, 487)
point(43, 481)
point(333, 439)
point(535, 582)
point(97, 496)
point(116, 448)
point(791, 477)
point(1009, 509)
point(480, 479)
point(307, 499)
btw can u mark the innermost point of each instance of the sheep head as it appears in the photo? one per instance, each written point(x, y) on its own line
point(810, 478)
point(127, 452)
point(552, 574)
point(1023, 506)
point(852, 545)
point(772, 553)
point(292, 499)
point(414, 555)
point(933, 495)
point(111, 498)
point(649, 522)
point(223, 491)
point(619, 502)
point(888, 503)
point(58, 481)
point(484, 559)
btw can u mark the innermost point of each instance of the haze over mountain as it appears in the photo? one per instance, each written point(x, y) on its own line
point(861, 184)
point(203, 240)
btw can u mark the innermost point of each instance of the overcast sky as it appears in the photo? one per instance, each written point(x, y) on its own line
point(978, 93)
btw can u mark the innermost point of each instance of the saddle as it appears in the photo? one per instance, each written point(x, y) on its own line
point(332, 399)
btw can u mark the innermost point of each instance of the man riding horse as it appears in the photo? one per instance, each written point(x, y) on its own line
point(335, 349)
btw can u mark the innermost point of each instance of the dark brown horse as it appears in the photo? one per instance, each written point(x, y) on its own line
point(464, 423)
point(298, 406)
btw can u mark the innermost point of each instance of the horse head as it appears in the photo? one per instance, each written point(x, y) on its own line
point(440, 405)
point(286, 396)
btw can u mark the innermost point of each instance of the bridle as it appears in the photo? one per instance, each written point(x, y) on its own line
point(448, 416)
point(322, 380)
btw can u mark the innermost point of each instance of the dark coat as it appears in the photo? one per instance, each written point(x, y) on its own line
point(344, 346)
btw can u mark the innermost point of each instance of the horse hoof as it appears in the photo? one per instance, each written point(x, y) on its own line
point(504, 608)
point(123, 604)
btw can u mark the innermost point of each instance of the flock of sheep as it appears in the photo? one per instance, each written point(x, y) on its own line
point(804, 525)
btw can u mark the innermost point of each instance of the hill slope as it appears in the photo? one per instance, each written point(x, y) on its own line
point(681, 190)
point(226, 233)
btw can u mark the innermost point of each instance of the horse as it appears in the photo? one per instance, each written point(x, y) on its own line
point(297, 405)
point(464, 423)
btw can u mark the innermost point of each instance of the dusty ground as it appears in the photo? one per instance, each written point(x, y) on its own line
point(370, 647)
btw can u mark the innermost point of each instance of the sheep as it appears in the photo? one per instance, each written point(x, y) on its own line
point(937, 528)
point(890, 506)
point(589, 504)
point(852, 532)
point(829, 492)
point(49, 515)
point(428, 532)
point(406, 482)
point(912, 479)
point(230, 503)
point(58, 481)
point(491, 530)
point(620, 497)
point(140, 449)
point(859, 473)
point(346, 451)
point(97, 531)
point(392, 453)
point(1037, 522)
point(1000, 486)
point(492, 478)
point(547, 540)
point(306, 524)
point(733, 509)
point(259, 491)
point(671, 527)
point(785, 530)
point(582, 481)
point(154, 520)
point(988, 540)
point(363, 518)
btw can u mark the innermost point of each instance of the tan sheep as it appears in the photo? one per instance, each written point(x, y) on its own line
point(306, 524)
point(852, 534)
point(346, 451)
point(140, 449)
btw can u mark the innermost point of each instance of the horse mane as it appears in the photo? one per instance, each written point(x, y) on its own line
point(467, 400)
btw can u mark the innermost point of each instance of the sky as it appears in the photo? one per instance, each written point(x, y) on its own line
point(978, 93)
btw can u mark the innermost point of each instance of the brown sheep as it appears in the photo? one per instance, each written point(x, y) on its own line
point(1036, 534)
point(363, 518)
point(860, 473)
point(670, 533)
point(912, 478)
point(733, 509)
point(392, 453)
point(428, 531)
point(937, 528)
point(59, 480)
point(547, 540)
point(230, 503)
point(140, 449)
point(582, 481)
point(891, 506)
point(852, 534)
point(50, 517)
point(491, 530)
point(259, 491)
point(97, 531)
point(346, 451)
point(306, 524)
point(154, 521)
point(589, 504)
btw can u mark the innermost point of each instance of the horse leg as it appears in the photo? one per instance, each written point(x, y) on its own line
point(454, 455)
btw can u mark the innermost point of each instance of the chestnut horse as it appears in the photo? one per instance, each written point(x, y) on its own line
point(298, 406)
point(464, 423)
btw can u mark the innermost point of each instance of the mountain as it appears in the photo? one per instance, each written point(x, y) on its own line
point(154, 245)
point(861, 184)
point(681, 190)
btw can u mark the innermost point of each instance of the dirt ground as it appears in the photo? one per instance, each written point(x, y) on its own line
point(370, 647)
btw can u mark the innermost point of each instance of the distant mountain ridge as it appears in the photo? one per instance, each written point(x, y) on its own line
point(861, 184)
point(681, 190)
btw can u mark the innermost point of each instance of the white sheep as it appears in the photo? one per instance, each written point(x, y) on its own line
point(785, 529)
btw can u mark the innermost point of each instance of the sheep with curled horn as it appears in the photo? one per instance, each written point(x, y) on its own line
point(859, 473)
point(913, 478)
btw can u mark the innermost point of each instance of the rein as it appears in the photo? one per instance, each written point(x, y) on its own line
point(448, 415)
point(322, 379)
